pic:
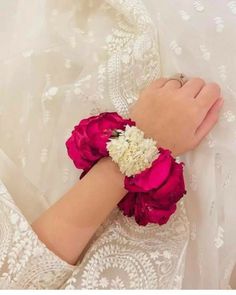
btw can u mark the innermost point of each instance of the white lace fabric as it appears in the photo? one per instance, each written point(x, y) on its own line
point(25, 262)
point(62, 61)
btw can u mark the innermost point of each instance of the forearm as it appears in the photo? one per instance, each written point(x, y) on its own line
point(69, 224)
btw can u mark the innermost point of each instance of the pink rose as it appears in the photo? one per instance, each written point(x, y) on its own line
point(172, 190)
point(144, 213)
point(137, 205)
point(151, 177)
point(87, 143)
point(153, 193)
point(127, 204)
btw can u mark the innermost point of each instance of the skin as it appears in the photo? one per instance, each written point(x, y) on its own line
point(178, 118)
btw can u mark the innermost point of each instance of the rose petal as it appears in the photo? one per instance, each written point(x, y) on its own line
point(99, 142)
point(159, 216)
point(75, 154)
point(152, 177)
point(139, 212)
point(127, 204)
point(81, 163)
point(173, 189)
point(145, 213)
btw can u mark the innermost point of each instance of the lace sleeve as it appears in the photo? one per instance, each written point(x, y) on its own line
point(25, 262)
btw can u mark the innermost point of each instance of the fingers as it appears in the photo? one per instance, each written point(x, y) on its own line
point(210, 120)
point(193, 87)
point(172, 84)
point(166, 83)
point(206, 98)
point(159, 82)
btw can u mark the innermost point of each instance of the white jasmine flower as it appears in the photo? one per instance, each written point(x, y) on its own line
point(131, 151)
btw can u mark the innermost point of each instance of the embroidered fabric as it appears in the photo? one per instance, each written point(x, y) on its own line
point(25, 262)
point(64, 60)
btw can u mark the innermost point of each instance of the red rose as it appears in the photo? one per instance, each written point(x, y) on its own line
point(151, 177)
point(144, 213)
point(154, 192)
point(172, 190)
point(87, 143)
point(127, 204)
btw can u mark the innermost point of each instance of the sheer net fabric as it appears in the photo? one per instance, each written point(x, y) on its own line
point(64, 60)
point(25, 262)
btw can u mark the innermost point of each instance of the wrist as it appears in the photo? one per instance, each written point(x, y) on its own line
point(139, 120)
point(110, 171)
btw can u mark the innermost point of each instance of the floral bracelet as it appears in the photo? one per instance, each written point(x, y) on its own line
point(153, 178)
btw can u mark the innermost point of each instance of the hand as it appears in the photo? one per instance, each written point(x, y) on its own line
point(178, 118)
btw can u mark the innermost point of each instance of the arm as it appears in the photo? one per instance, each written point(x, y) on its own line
point(178, 118)
point(69, 224)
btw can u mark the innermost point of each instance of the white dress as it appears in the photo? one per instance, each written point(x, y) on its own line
point(61, 61)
